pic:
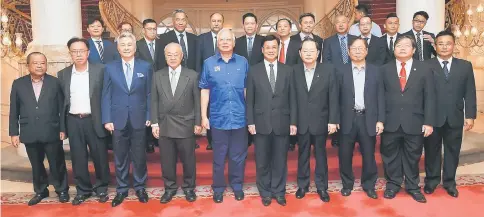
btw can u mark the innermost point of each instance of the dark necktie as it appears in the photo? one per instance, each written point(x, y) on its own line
point(446, 69)
point(216, 47)
point(419, 47)
point(249, 47)
point(344, 50)
point(101, 49)
point(184, 49)
point(152, 51)
point(272, 77)
point(391, 46)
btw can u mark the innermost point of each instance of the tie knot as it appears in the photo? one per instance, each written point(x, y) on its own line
point(403, 64)
point(271, 65)
point(99, 42)
point(418, 34)
point(250, 38)
point(181, 35)
point(391, 37)
point(445, 62)
point(127, 65)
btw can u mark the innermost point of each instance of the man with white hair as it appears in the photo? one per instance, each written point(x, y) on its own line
point(175, 118)
point(223, 89)
point(125, 113)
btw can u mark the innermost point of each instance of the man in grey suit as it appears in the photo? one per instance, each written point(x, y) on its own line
point(82, 84)
point(175, 117)
point(36, 102)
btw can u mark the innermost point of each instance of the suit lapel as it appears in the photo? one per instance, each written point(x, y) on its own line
point(181, 85)
point(122, 76)
point(28, 81)
point(145, 49)
point(315, 77)
point(191, 47)
point(67, 81)
point(352, 79)
point(280, 78)
point(394, 73)
point(44, 88)
point(134, 79)
point(93, 73)
point(244, 47)
point(264, 79)
point(164, 79)
point(412, 76)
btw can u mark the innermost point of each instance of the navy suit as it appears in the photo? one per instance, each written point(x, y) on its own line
point(110, 52)
point(128, 109)
point(332, 49)
point(205, 49)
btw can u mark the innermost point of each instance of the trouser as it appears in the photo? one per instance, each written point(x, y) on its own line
point(304, 153)
point(170, 150)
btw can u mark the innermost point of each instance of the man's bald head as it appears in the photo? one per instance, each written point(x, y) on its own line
point(341, 24)
point(173, 55)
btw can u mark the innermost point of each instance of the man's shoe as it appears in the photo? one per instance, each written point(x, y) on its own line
point(346, 192)
point(428, 189)
point(118, 199)
point(292, 147)
point(300, 193)
point(103, 197)
point(190, 195)
point(209, 147)
point(281, 200)
point(323, 195)
point(151, 148)
point(390, 194)
point(197, 146)
point(452, 192)
point(266, 201)
point(218, 197)
point(80, 198)
point(64, 197)
point(418, 196)
point(371, 193)
point(142, 196)
point(38, 197)
point(167, 196)
point(239, 195)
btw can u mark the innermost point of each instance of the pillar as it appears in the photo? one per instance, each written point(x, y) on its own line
point(435, 9)
point(143, 9)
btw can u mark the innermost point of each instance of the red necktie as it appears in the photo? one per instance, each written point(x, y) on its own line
point(403, 77)
point(282, 55)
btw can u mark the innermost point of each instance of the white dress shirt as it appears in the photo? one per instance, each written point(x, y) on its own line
point(148, 43)
point(184, 39)
point(286, 45)
point(442, 64)
point(408, 67)
point(359, 85)
point(131, 64)
point(268, 69)
point(421, 38)
point(394, 39)
point(97, 45)
point(253, 39)
point(175, 77)
point(309, 74)
point(214, 39)
point(79, 98)
point(369, 38)
point(303, 36)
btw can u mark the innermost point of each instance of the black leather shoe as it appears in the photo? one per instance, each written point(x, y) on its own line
point(197, 146)
point(266, 201)
point(239, 195)
point(292, 147)
point(281, 200)
point(64, 197)
point(209, 147)
point(151, 148)
point(300, 193)
point(452, 192)
point(335, 143)
point(218, 197)
point(390, 194)
point(38, 197)
point(418, 196)
point(118, 199)
point(429, 190)
point(346, 192)
point(167, 196)
point(103, 197)
point(80, 198)
point(142, 196)
point(190, 195)
point(323, 195)
point(371, 194)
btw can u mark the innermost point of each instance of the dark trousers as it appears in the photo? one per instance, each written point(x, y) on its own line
point(150, 139)
point(57, 166)
point(130, 145)
point(81, 134)
point(304, 153)
point(452, 141)
point(367, 149)
point(234, 144)
point(170, 150)
point(271, 164)
point(400, 153)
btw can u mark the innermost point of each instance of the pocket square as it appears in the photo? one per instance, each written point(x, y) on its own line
point(140, 75)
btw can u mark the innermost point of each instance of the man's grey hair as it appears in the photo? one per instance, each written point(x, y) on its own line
point(126, 35)
point(226, 30)
point(176, 11)
point(173, 44)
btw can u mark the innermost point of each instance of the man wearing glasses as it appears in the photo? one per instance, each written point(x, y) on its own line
point(424, 40)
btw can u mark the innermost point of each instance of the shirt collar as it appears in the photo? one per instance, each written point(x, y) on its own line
point(267, 63)
point(248, 36)
point(75, 71)
point(178, 33)
point(441, 60)
point(361, 68)
point(131, 63)
point(41, 79)
point(213, 34)
point(415, 32)
point(408, 63)
point(96, 40)
point(308, 69)
point(303, 35)
point(394, 36)
point(369, 36)
point(342, 36)
point(219, 56)
point(148, 41)
point(177, 70)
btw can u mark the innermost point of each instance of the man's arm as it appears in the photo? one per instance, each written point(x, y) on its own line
point(148, 91)
point(197, 106)
point(154, 101)
point(334, 110)
point(250, 98)
point(106, 98)
point(470, 94)
point(327, 51)
point(60, 104)
point(381, 96)
point(429, 97)
point(292, 97)
point(14, 111)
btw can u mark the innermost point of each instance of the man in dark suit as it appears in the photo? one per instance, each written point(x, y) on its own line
point(187, 41)
point(307, 21)
point(410, 108)
point(392, 24)
point(146, 50)
point(377, 51)
point(100, 50)
point(82, 86)
point(318, 115)
point(249, 45)
point(272, 116)
point(456, 109)
point(423, 39)
point(36, 103)
point(207, 47)
point(362, 109)
point(125, 113)
point(290, 54)
point(175, 118)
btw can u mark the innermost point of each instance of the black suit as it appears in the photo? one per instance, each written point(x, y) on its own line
point(241, 49)
point(428, 49)
point(456, 100)
point(170, 37)
point(390, 54)
point(86, 131)
point(293, 49)
point(40, 125)
point(272, 113)
point(316, 108)
point(205, 49)
point(406, 112)
point(377, 51)
point(332, 52)
point(176, 115)
point(359, 125)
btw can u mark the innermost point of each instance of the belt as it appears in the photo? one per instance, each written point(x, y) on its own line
point(81, 116)
point(359, 111)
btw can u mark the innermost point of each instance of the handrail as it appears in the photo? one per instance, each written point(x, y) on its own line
point(113, 13)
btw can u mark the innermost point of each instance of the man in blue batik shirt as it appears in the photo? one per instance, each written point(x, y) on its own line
point(223, 85)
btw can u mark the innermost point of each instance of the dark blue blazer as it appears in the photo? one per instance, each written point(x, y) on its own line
point(374, 97)
point(205, 49)
point(110, 52)
point(120, 103)
point(332, 50)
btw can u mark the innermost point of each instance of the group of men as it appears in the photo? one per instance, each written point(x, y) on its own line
point(279, 89)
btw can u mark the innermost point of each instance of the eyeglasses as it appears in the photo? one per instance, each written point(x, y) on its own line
point(357, 49)
point(308, 51)
point(403, 46)
point(78, 52)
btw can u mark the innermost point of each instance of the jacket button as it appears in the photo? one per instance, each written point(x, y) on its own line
point(36, 118)
point(37, 107)
point(401, 109)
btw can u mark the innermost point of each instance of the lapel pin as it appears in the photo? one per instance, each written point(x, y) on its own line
point(414, 69)
point(217, 68)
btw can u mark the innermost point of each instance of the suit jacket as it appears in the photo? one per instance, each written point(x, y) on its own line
point(295, 44)
point(332, 50)
point(428, 49)
point(170, 37)
point(205, 49)
point(374, 97)
point(413, 107)
point(271, 112)
point(454, 94)
point(143, 51)
point(176, 115)
point(241, 49)
point(110, 52)
point(40, 121)
point(377, 51)
point(96, 76)
point(390, 55)
point(120, 103)
point(318, 106)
